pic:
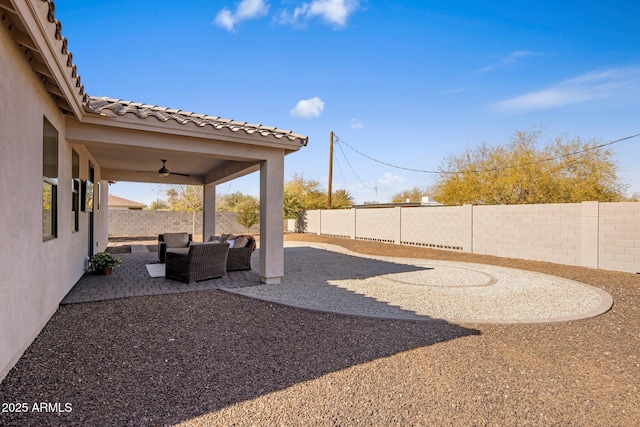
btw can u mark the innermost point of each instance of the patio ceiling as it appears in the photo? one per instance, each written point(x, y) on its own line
point(139, 164)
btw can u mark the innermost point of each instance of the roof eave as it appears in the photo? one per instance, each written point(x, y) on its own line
point(44, 31)
point(156, 119)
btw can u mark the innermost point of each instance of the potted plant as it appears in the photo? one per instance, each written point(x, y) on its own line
point(103, 263)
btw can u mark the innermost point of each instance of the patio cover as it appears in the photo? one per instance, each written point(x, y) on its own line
point(128, 141)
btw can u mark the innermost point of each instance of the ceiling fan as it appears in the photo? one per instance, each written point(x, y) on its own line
point(163, 171)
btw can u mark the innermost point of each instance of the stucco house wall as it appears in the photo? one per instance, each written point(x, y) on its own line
point(34, 274)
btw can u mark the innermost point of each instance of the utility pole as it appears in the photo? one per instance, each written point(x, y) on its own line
point(330, 168)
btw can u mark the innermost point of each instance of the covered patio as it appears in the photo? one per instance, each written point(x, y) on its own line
point(133, 280)
point(146, 143)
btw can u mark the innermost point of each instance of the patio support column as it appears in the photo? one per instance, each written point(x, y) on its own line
point(271, 218)
point(209, 211)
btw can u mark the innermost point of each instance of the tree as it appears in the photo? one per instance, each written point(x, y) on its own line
point(248, 213)
point(635, 197)
point(565, 171)
point(159, 204)
point(341, 199)
point(301, 194)
point(186, 198)
point(231, 202)
point(414, 195)
point(292, 205)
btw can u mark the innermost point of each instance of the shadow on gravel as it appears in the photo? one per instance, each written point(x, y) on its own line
point(166, 359)
point(321, 279)
point(310, 261)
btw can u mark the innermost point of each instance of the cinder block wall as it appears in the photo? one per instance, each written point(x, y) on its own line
point(127, 223)
point(538, 232)
point(313, 221)
point(441, 227)
point(378, 224)
point(588, 234)
point(619, 236)
point(338, 222)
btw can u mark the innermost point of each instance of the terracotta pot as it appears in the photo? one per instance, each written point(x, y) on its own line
point(106, 271)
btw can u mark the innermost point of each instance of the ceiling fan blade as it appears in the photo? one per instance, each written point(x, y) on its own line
point(163, 171)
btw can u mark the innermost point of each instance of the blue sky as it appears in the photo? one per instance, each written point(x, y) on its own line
point(408, 83)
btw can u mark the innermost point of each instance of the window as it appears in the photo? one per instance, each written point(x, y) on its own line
point(49, 181)
point(75, 190)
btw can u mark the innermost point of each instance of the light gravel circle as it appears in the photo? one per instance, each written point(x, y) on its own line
point(333, 279)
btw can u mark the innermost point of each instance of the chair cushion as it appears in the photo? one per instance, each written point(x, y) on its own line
point(181, 251)
point(241, 242)
point(176, 240)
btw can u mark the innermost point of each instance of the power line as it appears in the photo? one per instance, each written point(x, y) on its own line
point(347, 160)
point(380, 161)
point(484, 170)
point(344, 179)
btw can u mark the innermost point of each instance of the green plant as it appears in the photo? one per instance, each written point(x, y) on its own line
point(248, 213)
point(102, 260)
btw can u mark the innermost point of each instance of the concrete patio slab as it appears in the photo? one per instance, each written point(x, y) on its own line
point(139, 248)
point(132, 279)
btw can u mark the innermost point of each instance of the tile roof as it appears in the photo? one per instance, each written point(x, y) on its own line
point(18, 27)
point(112, 107)
point(120, 201)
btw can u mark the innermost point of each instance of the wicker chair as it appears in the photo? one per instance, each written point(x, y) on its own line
point(162, 245)
point(203, 261)
point(240, 258)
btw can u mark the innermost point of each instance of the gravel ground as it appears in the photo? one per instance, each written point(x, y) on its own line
point(341, 281)
point(214, 358)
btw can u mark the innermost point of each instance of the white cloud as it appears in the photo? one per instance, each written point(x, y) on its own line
point(379, 189)
point(390, 180)
point(246, 9)
point(510, 59)
point(386, 186)
point(585, 87)
point(334, 12)
point(225, 19)
point(355, 124)
point(308, 108)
